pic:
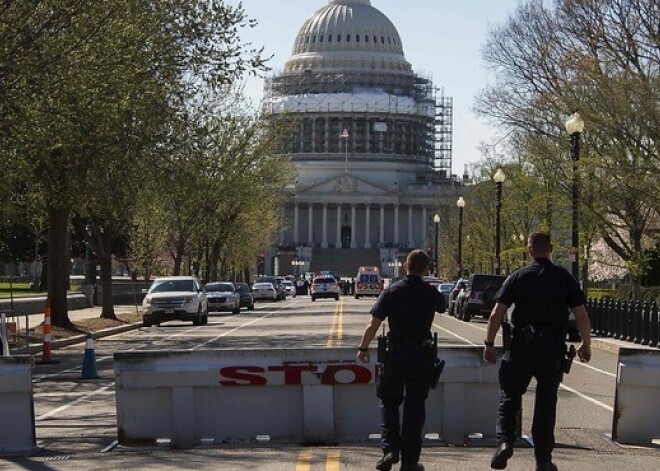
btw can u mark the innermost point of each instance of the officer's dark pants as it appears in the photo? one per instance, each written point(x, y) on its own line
point(539, 359)
point(409, 370)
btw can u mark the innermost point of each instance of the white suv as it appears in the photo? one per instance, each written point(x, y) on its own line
point(175, 297)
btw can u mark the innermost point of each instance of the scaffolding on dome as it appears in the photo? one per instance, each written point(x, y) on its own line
point(384, 114)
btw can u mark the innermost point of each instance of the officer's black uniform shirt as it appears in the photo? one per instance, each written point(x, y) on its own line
point(542, 293)
point(410, 306)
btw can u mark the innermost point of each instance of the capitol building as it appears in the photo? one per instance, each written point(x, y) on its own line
point(372, 146)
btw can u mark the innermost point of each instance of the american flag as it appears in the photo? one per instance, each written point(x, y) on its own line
point(345, 134)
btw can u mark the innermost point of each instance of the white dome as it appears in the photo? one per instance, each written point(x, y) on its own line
point(348, 35)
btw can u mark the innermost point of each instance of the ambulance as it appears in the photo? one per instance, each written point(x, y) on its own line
point(368, 282)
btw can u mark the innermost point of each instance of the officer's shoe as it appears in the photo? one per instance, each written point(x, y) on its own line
point(412, 467)
point(546, 466)
point(386, 462)
point(502, 455)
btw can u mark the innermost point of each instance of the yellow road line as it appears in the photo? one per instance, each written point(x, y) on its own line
point(337, 329)
point(304, 461)
point(333, 463)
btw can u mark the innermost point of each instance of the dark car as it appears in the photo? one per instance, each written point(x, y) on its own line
point(480, 295)
point(247, 300)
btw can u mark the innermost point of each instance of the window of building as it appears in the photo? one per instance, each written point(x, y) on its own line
point(307, 40)
point(321, 39)
point(382, 39)
point(339, 38)
point(348, 38)
point(329, 38)
point(314, 39)
point(366, 38)
point(375, 39)
point(389, 40)
point(357, 38)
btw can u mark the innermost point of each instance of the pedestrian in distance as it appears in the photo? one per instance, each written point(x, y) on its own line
point(542, 293)
point(409, 306)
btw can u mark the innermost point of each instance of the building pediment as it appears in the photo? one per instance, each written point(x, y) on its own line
point(346, 184)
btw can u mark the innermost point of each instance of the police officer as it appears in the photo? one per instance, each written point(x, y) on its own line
point(409, 306)
point(542, 294)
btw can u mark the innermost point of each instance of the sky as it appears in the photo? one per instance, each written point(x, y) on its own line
point(441, 38)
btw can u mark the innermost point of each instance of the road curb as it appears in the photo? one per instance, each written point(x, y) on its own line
point(613, 345)
point(55, 344)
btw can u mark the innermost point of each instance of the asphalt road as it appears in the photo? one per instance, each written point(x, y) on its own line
point(76, 426)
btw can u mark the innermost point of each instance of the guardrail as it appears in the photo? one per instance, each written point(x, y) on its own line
point(636, 411)
point(17, 433)
point(632, 321)
point(302, 396)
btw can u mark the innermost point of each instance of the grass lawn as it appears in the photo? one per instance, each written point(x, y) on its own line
point(23, 290)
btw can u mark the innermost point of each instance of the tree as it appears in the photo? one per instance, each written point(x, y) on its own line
point(84, 81)
point(601, 57)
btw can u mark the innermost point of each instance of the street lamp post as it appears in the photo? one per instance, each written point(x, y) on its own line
point(574, 127)
point(499, 178)
point(436, 220)
point(461, 205)
point(394, 265)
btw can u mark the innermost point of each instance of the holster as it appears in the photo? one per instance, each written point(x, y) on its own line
point(438, 365)
point(567, 359)
point(383, 347)
point(506, 335)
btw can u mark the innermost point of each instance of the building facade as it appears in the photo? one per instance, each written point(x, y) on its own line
point(372, 147)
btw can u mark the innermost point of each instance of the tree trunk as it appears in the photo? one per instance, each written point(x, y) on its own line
point(105, 262)
point(213, 262)
point(58, 265)
point(178, 257)
point(246, 275)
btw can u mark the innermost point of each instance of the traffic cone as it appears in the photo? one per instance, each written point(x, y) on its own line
point(46, 354)
point(89, 360)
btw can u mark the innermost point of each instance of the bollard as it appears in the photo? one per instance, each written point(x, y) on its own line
point(89, 360)
point(46, 355)
point(655, 326)
point(645, 325)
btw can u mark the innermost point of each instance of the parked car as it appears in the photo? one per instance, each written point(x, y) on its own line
point(433, 281)
point(289, 287)
point(176, 297)
point(453, 296)
point(223, 296)
point(325, 287)
point(277, 284)
point(245, 293)
point(446, 289)
point(264, 290)
point(479, 297)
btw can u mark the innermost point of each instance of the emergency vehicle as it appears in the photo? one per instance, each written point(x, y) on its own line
point(368, 282)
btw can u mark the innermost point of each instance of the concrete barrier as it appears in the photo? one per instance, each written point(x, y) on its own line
point(35, 305)
point(637, 400)
point(301, 396)
point(17, 433)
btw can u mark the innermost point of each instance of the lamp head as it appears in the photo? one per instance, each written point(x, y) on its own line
point(436, 219)
point(460, 203)
point(499, 176)
point(575, 124)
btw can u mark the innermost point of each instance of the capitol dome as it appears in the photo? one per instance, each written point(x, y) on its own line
point(348, 35)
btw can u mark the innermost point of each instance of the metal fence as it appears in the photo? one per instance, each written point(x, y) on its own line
point(632, 321)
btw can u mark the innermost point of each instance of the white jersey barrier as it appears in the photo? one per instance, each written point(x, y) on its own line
point(637, 399)
point(17, 434)
point(301, 396)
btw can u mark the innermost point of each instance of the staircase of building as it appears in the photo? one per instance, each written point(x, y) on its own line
point(344, 261)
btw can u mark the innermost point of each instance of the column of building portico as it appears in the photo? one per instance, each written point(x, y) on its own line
point(411, 239)
point(353, 227)
point(310, 229)
point(381, 235)
point(324, 241)
point(367, 231)
point(396, 225)
point(338, 241)
point(296, 222)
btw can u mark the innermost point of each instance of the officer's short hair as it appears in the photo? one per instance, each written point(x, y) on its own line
point(540, 242)
point(418, 261)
